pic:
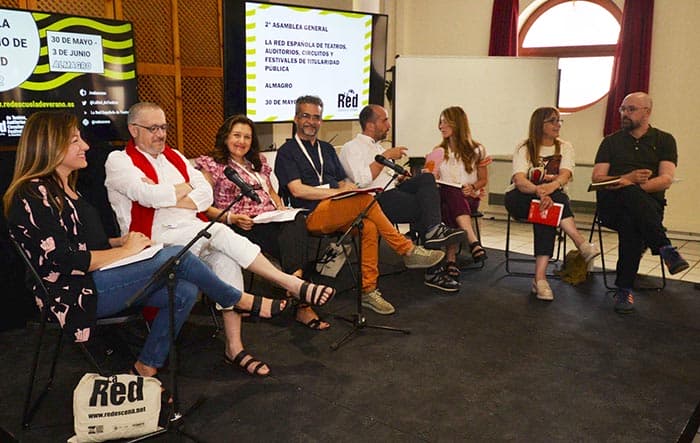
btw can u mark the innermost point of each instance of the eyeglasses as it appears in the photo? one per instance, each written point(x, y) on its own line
point(630, 109)
point(554, 121)
point(312, 117)
point(154, 128)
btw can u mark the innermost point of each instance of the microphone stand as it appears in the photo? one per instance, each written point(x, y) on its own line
point(358, 319)
point(168, 273)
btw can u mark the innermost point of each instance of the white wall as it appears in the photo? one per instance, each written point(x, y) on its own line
point(461, 27)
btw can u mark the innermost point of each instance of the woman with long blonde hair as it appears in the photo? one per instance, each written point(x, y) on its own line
point(465, 167)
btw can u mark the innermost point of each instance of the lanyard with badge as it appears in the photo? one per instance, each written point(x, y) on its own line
point(308, 157)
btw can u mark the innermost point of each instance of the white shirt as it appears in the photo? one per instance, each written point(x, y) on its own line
point(124, 184)
point(453, 170)
point(356, 156)
point(522, 164)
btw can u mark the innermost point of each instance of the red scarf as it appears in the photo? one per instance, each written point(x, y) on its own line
point(141, 216)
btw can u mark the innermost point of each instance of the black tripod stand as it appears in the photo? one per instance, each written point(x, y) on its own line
point(168, 272)
point(358, 319)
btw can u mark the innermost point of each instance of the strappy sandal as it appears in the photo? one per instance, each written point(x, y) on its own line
point(452, 269)
point(166, 397)
point(254, 311)
point(315, 323)
point(252, 361)
point(478, 252)
point(312, 293)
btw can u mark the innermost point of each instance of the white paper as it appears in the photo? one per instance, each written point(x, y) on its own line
point(454, 185)
point(279, 215)
point(143, 255)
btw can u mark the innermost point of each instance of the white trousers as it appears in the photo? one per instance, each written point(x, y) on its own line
point(225, 252)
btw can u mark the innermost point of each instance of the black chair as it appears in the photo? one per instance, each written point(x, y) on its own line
point(597, 224)
point(561, 246)
point(40, 291)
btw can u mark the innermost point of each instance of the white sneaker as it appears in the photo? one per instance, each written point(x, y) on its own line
point(589, 251)
point(542, 290)
point(374, 301)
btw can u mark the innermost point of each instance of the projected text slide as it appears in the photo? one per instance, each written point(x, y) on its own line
point(293, 51)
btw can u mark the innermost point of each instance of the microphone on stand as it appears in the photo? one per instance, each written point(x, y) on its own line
point(390, 164)
point(246, 189)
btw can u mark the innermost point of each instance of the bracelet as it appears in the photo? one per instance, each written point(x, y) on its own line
point(228, 217)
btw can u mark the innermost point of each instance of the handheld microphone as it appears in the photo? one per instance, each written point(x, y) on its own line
point(390, 164)
point(246, 189)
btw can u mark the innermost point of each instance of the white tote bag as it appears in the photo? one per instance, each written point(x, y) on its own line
point(339, 255)
point(119, 406)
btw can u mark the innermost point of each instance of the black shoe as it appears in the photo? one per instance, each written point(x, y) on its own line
point(674, 261)
point(442, 281)
point(443, 236)
point(624, 301)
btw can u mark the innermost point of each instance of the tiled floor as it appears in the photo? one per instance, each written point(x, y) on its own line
point(493, 235)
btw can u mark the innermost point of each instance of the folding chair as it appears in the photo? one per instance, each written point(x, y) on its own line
point(561, 245)
point(598, 225)
point(30, 407)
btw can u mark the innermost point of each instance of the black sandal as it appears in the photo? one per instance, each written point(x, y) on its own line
point(313, 295)
point(478, 252)
point(275, 309)
point(236, 361)
point(314, 323)
point(452, 269)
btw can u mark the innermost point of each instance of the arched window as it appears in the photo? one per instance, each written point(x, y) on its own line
point(584, 35)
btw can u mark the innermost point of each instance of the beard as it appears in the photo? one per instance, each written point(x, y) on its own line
point(309, 131)
point(629, 124)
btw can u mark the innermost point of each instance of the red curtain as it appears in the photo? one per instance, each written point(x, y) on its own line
point(504, 28)
point(632, 58)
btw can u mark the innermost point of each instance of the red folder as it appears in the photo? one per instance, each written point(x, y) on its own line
point(551, 216)
point(346, 194)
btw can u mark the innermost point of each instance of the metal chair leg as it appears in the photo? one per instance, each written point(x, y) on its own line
point(30, 407)
point(598, 225)
point(560, 253)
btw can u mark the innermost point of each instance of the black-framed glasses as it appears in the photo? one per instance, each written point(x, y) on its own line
point(631, 109)
point(153, 128)
point(554, 120)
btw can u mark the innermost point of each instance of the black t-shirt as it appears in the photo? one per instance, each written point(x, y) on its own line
point(92, 231)
point(625, 153)
point(292, 164)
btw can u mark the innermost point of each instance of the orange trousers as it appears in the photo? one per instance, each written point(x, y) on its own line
point(337, 215)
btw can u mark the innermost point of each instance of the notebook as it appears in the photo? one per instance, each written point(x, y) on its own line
point(551, 216)
point(601, 185)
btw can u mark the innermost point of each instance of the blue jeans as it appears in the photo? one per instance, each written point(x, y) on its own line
point(115, 286)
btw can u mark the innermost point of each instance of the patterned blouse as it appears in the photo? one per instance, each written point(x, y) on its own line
point(57, 245)
point(225, 191)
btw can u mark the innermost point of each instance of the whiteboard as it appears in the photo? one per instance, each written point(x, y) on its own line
point(498, 94)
